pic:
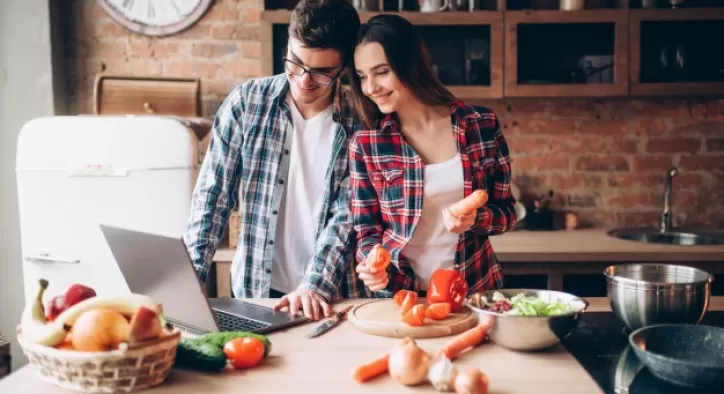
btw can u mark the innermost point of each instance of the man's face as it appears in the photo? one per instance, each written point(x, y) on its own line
point(324, 65)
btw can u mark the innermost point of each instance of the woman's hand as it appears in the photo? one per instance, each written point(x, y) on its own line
point(375, 279)
point(458, 224)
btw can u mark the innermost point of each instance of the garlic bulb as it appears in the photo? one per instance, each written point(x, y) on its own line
point(442, 374)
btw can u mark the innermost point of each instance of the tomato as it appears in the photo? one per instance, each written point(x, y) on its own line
point(439, 311)
point(447, 285)
point(415, 316)
point(400, 296)
point(409, 301)
point(379, 258)
point(244, 352)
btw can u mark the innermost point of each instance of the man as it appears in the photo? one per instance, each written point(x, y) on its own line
point(281, 143)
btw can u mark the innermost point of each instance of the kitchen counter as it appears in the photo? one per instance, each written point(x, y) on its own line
point(556, 254)
point(324, 365)
point(584, 245)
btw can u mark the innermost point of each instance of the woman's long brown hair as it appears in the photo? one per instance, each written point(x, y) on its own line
point(408, 57)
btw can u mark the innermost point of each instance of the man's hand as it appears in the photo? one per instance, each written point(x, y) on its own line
point(376, 280)
point(310, 301)
point(459, 224)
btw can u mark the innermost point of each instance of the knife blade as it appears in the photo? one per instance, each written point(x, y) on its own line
point(330, 323)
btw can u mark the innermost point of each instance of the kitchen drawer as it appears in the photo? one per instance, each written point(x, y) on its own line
point(121, 95)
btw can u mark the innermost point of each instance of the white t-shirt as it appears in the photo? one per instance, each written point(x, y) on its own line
point(432, 246)
point(310, 155)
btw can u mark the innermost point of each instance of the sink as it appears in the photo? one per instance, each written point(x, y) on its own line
point(671, 237)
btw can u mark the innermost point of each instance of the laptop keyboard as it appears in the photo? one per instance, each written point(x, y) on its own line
point(229, 322)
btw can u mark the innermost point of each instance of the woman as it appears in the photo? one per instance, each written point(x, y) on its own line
point(423, 150)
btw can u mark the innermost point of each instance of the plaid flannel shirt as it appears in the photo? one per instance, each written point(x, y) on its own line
point(248, 157)
point(386, 182)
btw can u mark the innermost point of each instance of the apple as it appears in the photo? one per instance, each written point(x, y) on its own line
point(74, 294)
point(145, 324)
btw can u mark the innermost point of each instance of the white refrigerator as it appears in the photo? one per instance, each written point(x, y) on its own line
point(74, 172)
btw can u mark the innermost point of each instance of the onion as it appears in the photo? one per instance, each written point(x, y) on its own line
point(471, 381)
point(408, 363)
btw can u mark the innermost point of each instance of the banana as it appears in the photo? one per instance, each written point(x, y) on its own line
point(125, 304)
point(34, 326)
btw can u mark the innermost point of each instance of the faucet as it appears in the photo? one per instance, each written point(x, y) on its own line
point(666, 216)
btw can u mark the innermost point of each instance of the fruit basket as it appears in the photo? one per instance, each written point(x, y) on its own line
point(124, 370)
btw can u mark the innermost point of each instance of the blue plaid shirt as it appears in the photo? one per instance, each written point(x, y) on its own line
point(248, 157)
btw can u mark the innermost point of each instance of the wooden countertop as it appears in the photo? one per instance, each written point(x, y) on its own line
point(585, 245)
point(324, 365)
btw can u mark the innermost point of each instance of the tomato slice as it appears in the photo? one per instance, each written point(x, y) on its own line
point(400, 296)
point(415, 316)
point(409, 302)
point(438, 311)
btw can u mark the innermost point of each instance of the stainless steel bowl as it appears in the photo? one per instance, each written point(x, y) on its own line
point(642, 294)
point(530, 333)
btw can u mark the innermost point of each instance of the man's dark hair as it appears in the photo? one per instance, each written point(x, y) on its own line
point(326, 24)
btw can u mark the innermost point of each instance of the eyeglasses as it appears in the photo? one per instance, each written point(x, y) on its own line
point(317, 77)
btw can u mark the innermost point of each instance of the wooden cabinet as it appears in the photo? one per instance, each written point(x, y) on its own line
point(566, 54)
point(532, 48)
point(677, 52)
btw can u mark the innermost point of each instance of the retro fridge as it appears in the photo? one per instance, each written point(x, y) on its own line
point(75, 172)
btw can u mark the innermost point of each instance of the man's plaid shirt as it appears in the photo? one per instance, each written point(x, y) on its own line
point(249, 154)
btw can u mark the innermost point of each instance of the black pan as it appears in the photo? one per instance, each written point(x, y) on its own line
point(682, 354)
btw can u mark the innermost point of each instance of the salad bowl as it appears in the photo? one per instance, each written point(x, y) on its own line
point(527, 319)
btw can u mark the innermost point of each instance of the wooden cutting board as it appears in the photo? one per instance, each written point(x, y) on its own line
point(382, 317)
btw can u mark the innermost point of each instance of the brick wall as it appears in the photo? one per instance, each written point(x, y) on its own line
point(605, 159)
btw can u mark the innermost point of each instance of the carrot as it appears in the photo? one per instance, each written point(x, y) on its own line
point(467, 339)
point(371, 369)
point(469, 204)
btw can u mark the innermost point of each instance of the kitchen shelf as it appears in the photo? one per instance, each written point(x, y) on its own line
point(536, 40)
point(450, 37)
point(696, 32)
point(619, 29)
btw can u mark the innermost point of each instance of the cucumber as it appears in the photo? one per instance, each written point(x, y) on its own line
point(219, 339)
point(199, 355)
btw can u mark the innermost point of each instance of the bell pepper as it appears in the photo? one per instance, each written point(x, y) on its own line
point(447, 285)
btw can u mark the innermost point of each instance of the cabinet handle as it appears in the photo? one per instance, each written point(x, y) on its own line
point(45, 258)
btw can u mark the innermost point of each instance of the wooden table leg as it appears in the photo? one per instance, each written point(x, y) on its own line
point(223, 279)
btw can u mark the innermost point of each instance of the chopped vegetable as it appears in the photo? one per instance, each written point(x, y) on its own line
point(438, 311)
point(415, 316)
point(400, 296)
point(407, 304)
point(523, 305)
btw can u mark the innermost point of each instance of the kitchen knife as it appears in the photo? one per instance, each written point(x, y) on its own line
point(330, 323)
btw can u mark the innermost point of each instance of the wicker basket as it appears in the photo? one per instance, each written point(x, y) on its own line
point(117, 371)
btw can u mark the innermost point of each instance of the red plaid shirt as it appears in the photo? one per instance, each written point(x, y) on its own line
point(386, 177)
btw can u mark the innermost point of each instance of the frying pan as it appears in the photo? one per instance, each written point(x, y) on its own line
point(686, 355)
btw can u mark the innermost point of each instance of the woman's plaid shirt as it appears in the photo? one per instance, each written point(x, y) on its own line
point(386, 182)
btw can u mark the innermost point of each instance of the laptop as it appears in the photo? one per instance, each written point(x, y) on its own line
point(159, 266)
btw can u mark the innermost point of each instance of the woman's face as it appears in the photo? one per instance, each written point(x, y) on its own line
point(378, 81)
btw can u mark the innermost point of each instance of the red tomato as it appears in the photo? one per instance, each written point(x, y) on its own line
point(400, 296)
point(447, 286)
point(244, 352)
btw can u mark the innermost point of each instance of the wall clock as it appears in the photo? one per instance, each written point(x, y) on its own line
point(156, 17)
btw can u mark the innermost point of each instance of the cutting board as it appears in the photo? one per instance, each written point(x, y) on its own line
point(382, 317)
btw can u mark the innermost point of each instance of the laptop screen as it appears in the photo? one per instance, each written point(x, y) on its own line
point(159, 267)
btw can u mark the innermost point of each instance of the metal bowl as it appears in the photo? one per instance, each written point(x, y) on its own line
point(644, 294)
point(529, 333)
